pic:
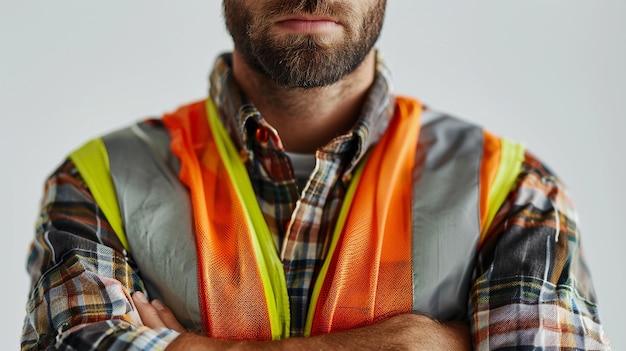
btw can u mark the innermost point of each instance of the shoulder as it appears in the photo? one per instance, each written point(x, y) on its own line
point(540, 193)
point(539, 187)
point(152, 130)
point(446, 127)
point(445, 135)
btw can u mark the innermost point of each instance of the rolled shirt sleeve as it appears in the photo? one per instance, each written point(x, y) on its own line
point(532, 288)
point(82, 279)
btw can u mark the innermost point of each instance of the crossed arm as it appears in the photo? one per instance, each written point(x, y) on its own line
point(531, 286)
point(402, 332)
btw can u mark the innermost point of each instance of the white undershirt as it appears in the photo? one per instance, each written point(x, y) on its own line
point(303, 166)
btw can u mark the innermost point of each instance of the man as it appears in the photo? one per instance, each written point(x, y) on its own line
point(302, 199)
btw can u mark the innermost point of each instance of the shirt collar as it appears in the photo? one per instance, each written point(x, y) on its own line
point(236, 112)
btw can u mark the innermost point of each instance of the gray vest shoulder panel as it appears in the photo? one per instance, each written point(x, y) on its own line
point(446, 224)
point(157, 216)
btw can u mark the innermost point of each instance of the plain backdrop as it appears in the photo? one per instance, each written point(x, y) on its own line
point(549, 73)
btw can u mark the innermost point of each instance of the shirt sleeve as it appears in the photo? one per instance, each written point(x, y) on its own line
point(532, 288)
point(81, 277)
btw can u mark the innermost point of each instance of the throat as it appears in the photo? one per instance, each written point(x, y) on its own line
point(307, 118)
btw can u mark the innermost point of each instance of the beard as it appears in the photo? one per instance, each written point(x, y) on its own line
point(303, 60)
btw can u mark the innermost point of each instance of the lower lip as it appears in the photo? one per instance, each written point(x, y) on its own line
point(309, 27)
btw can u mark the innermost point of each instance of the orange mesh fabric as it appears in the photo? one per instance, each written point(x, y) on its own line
point(492, 154)
point(488, 169)
point(370, 270)
point(232, 298)
point(370, 273)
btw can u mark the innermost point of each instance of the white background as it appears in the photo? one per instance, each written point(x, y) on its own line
point(549, 73)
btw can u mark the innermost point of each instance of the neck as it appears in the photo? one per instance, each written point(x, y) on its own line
point(307, 119)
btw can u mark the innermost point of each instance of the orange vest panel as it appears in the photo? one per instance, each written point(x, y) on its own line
point(368, 274)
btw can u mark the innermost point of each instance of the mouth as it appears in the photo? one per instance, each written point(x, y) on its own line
point(308, 24)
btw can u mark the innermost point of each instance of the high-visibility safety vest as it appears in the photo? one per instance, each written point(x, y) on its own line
point(417, 209)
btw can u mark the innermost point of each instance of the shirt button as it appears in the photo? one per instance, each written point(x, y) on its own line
point(262, 135)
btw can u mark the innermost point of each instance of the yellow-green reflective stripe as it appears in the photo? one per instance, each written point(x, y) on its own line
point(271, 269)
point(341, 220)
point(92, 162)
point(509, 168)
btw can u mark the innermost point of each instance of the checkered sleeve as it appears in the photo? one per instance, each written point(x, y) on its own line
point(532, 289)
point(82, 278)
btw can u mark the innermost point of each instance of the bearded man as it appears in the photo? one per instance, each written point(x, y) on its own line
point(304, 206)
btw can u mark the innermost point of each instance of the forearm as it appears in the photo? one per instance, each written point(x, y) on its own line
point(402, 332)
point(108, 335)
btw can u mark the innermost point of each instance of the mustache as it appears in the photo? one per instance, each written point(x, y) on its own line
point(312, 7)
